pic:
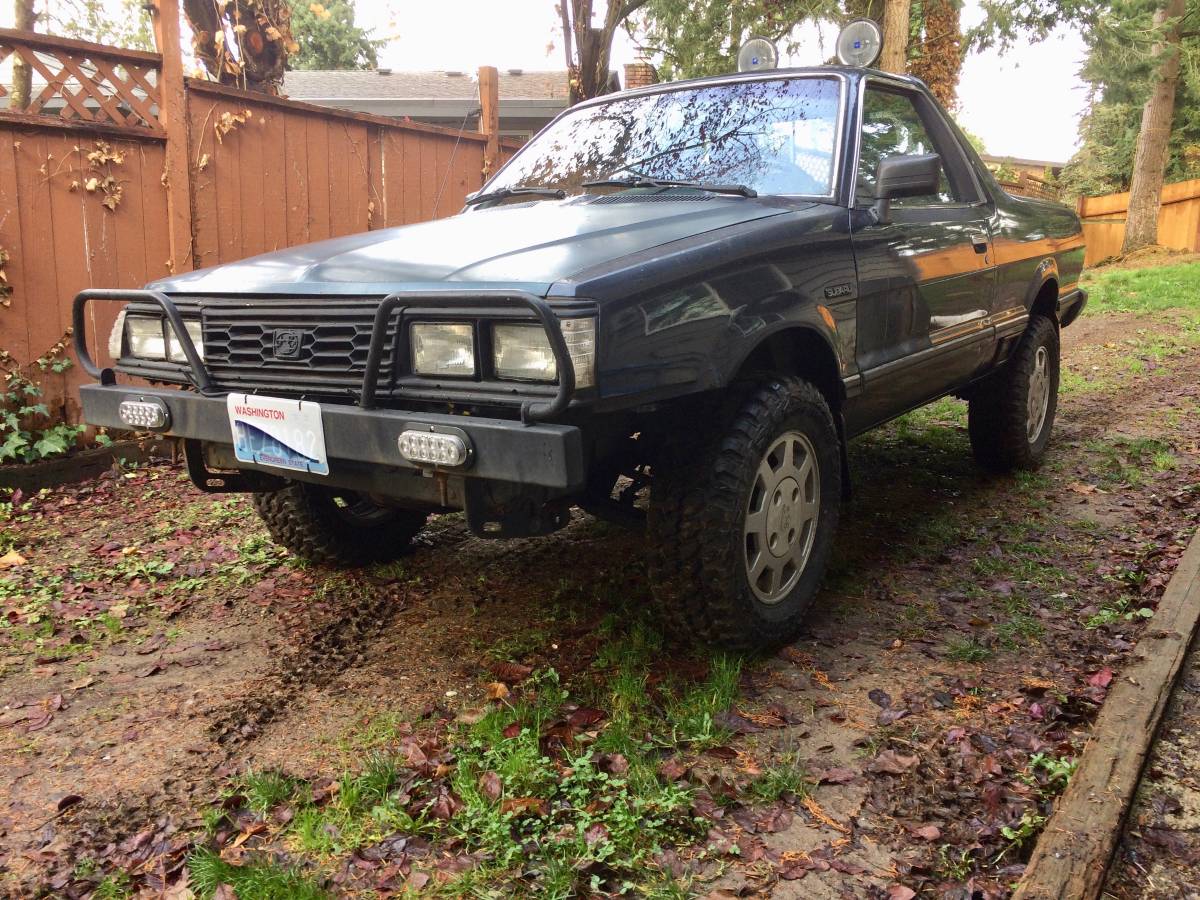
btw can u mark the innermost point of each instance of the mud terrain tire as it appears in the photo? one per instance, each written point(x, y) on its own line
point(336, 527)
point(767, 481)
point(1011, 415)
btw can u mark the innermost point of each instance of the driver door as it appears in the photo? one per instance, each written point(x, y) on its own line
point(926, 275)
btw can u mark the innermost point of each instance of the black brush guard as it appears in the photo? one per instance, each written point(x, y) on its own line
point(531, 410)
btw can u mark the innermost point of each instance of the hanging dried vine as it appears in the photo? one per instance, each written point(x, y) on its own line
point(937, 60)
point(5, 287)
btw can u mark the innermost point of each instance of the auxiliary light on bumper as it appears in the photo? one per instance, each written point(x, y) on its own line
point(143, 414)
point(428, 448)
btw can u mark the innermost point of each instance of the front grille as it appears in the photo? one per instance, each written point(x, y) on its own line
point(320, 345)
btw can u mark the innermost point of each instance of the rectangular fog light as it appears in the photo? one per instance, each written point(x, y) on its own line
point(427, 448)
point(144, 414)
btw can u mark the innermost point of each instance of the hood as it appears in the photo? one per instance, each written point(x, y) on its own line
point(527, 246)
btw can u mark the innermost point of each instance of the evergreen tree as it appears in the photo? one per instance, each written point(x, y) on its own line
point(701, 37)
point(1119, 71)
point(329, 39)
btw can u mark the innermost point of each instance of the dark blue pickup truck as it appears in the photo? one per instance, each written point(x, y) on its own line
point(673, 307)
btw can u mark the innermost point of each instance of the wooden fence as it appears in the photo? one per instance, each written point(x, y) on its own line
point(117, 172)
point(1178, 220)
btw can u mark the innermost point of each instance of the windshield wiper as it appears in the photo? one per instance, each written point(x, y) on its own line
point(740, 189)
point(520, 191)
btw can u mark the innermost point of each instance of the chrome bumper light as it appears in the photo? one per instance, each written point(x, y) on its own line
point(427, 448)
point(150, 415)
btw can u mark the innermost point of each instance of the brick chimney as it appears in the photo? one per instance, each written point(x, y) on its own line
point(640, 74)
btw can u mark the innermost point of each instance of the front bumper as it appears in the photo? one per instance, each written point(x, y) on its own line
point(544, 455)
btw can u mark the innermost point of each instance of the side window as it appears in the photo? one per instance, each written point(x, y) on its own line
point(892, 126)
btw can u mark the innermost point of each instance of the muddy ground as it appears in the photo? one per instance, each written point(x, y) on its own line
point(156, 643)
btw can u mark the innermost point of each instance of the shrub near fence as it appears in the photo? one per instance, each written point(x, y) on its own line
point(110, 178)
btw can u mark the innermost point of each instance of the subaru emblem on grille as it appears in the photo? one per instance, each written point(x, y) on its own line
point(287, 343)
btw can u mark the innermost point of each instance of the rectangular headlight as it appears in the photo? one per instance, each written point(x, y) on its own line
point(175, 349)
point(524, 352)
point(443, 348)
point(144, 337)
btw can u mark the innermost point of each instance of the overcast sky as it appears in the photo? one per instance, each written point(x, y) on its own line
point(1025, 103)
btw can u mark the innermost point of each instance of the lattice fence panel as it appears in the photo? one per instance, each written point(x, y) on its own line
point(79, 82)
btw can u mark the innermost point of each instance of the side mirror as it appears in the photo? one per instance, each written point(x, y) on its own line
point(904, 176)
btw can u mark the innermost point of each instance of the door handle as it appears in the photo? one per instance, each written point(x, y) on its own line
point(979, 240)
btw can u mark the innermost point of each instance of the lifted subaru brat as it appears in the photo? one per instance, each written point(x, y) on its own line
point(698, 290)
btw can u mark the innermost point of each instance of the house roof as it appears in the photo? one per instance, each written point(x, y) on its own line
point(1018, 161)
point(380, 84)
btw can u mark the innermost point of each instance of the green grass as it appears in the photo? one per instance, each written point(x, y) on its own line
point(788, 776)
point(967, 650)
point(258, 880)
point(1144, 290)
point(543, 817)
point(1127, 461)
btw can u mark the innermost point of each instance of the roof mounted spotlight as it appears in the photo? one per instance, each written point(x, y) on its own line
point(859, 43)
point(756, 54)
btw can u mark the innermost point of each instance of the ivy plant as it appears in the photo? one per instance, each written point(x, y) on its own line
point(27, 432)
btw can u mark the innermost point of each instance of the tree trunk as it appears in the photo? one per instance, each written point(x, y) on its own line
point(1150, 159)
point(262, 31)
point(894, 57)
point(22, 74)
point(589, 69)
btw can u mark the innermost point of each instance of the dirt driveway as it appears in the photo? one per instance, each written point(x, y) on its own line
point(157, 648)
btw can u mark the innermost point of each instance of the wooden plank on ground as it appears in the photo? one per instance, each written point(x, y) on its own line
point(1072, 855)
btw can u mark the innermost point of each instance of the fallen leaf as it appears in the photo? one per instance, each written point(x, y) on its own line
point(892, 763)
point(928, 832)
point(68, 800)
point(585, 716)
point(900, 892)
point(837, 776)
point(1101, 679)
point(10, 559)
point(521, 805)
point(497, 690)
point(614, 764)
point(880, 698)
point(490, 786)
point(673, 769)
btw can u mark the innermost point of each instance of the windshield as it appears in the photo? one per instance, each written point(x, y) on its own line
point(775, 136)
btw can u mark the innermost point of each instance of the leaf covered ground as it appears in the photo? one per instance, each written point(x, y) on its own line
point(186, 709)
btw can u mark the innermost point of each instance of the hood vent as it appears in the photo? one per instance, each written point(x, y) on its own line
point(668, 197)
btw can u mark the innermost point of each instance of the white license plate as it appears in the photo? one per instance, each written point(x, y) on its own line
point(285, 434)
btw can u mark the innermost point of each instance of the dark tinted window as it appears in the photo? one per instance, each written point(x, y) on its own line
point(776, 136)
point(893, 126)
